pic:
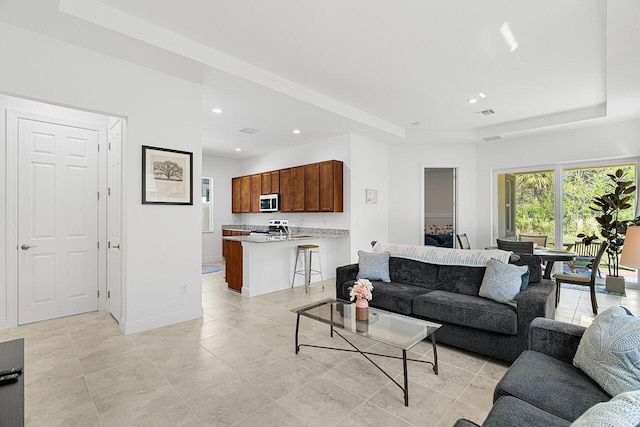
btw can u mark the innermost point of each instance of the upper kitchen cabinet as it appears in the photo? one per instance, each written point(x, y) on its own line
point(286, 191)
point(256, 189)
point(245, 194)
point(236, 195)
point(330, 177)
point(266, 183)
point(275, 182)
point(316, 187)
point(297, 189)
point(312, 187)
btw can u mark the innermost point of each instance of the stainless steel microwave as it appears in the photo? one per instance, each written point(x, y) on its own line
point(269, 203)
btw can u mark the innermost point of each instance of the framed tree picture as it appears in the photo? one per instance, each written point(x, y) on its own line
point(167, 176)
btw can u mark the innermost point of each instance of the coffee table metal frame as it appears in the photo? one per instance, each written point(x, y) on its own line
point(333, 324)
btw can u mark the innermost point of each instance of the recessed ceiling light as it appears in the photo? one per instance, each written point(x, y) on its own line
point(297, 131)
point(217, 110)
point(238, 149)
point(482, 95)
point(472, 100)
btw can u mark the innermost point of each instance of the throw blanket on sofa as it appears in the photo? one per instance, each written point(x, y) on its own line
point(443, 256)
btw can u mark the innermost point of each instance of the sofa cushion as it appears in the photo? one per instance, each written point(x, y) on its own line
point(509, 411)
point(533, 262)
point(412, 272)
point(460, 279)
point(373, 266)
point(621, 411)
point(551, 385)
point(609, 351)
point(395, 296)
point(502, 282)
point(466, 310)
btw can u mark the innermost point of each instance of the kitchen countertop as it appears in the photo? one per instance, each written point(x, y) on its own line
point(297, 234)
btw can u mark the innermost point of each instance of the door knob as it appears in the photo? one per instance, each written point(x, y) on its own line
point(116, 246)
point(25, 247)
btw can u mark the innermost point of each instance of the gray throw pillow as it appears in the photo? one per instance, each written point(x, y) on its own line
point(502, 282)
point(374, 266)
point(621, 411)
point(609, 351)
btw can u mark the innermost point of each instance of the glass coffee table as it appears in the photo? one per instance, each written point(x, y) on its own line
point(394, 329)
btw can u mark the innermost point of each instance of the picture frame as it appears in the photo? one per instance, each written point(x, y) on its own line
point(167, 176)
point(371, 196)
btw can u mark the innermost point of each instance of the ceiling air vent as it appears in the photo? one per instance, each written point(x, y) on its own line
point(492, 138)
point(249, 130)
point(485, 112)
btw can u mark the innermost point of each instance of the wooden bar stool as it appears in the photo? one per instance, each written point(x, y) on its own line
point(307, 252)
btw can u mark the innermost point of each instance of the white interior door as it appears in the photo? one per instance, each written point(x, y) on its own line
point(57, 220)
point(114, 225)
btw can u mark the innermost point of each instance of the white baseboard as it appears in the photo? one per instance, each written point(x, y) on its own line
point(209, 259)
point(160, 321)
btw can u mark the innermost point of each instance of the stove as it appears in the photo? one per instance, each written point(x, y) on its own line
point(278, 226)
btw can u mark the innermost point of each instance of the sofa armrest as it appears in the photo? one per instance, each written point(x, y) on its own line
point(538, 300)
point(344, 274)
point(554, 338)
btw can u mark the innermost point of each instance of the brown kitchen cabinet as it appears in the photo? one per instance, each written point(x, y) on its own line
point(315, 187)
point(266, 183)
point(225, 243)
point(236, 195)
point(312, 187)
point(256, 186)
point(234, 265)
point(245, 194)
point(286, 191)
point(297, 189)
point(330, 183)
point(275, 182)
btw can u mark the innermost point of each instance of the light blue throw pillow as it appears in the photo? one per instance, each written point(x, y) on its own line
point(609, 351)
point(621, 411)
point(502, 282)
point(374, 266)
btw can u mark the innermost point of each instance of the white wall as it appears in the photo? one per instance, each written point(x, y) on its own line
point(406, 168)
point(336, 148)
point(596, 143)
point(369, 170)
point(221, 170)
point(162, 244)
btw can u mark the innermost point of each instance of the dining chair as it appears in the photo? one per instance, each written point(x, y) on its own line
point(515, 247)
point(540, 241)
point(587, 252)
point(463, 241)
point(582, 279)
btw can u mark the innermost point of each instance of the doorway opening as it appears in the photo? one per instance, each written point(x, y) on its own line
point(63, 208)
point(439, 209)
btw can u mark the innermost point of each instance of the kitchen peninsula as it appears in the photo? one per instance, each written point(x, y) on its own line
point(260, 263)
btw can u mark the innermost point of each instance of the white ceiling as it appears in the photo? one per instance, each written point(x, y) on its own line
point(374, 67)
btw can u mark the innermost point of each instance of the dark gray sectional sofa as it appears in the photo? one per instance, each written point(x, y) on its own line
point(542, 388)
point(449, 295)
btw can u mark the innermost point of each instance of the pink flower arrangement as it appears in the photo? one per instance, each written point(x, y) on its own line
point(361, 290)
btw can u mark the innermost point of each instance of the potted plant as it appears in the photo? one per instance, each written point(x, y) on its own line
point(612, 228)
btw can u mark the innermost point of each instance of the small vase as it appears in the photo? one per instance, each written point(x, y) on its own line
point(362, 309)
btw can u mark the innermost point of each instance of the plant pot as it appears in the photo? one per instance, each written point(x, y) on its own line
point(615, 284)
point(362, 309)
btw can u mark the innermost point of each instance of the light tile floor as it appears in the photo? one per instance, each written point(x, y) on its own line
point(236, 366)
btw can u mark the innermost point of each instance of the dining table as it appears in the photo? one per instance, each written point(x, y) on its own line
point(550, 255)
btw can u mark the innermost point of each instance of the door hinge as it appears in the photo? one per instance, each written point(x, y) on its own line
point(108, 294)
point(98, 245)
point(98, 148)
point(98, 293)
point(108, 191)
point(108, 245)
point(98, 195)
point(109, 146)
